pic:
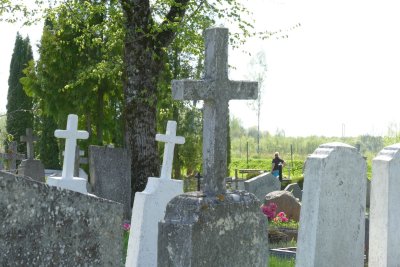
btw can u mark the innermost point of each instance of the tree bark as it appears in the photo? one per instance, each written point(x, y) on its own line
point(140, 100)
point(144, 63)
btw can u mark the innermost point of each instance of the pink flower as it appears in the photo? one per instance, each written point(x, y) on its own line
point(281, 214)
point(269, 210)
point(126, 226)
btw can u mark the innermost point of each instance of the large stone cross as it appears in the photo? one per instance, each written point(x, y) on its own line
point(216, 90)
point(71, 134)
point(29, 138)
point(12, 156)
point(170, 139)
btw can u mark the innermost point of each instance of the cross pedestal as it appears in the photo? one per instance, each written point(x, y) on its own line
point(149, 205)
point(67, 179)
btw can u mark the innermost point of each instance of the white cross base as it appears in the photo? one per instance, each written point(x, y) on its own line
point(75, 184)
point(67, 179)
point(170, 139)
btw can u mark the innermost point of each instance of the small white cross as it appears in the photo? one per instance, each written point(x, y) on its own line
point(71, 134)
point(170, 139)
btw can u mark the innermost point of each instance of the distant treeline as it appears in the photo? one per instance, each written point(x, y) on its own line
point(244, 141)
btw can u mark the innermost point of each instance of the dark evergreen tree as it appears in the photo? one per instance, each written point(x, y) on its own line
point(19, 105)
point(48, 146)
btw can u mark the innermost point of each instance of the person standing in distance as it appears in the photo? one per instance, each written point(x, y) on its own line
point(277, 165)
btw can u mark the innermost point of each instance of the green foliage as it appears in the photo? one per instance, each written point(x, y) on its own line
point(125, 246)
point(48, 147)
point(291, 224)
point(80, 68)
point(19, 105)
point(3, 131)
point(265, 164)
point(16, 10)
point(279, 262)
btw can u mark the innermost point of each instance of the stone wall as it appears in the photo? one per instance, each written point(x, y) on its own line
point(45, 226)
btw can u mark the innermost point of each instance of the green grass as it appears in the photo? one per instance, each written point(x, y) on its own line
point(265, 164)
point(125, 245)
point(291, 224)
point(278, 262)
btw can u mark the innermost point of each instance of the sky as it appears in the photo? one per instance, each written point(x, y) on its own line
point(335, 75)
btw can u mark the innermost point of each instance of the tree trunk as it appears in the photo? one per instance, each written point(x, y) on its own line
point(140, 87)
point(100, 113)
point(144, 62)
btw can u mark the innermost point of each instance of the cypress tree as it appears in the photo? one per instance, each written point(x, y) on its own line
point(19, 105)
point(48, 146)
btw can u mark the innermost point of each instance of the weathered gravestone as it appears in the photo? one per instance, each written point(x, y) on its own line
point(110, 175)
point(31, 167)
point(149, 205)
point(262, 185)
point(384, 215)
point(214, 227)
point(295, 189)
point(332, 216)
point(45, 226)
point(12, 156)
point(67, 179)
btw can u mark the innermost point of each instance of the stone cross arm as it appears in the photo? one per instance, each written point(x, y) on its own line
point(206, 90)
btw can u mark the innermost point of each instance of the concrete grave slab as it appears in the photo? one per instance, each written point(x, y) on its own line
point(43, 225)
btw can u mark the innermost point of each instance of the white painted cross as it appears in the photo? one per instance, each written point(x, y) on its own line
point(78, 160)
point(170, 139)
point(71, 134)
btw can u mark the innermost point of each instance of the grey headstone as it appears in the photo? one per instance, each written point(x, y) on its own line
point(110, 175)
point(295, 189)
point(32, 168)
point(215, 228)
point(45, 226)
point(204, 231)
point(384, 234)
point(332, 218)
point(262, 185)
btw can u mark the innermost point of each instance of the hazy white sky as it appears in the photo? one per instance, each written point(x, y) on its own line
point(341, 67)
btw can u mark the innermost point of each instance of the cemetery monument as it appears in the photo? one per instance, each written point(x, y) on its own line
point(31, 167)
point(214, 227)
point(332, 217)
point(149, 205)
point(67, 179)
